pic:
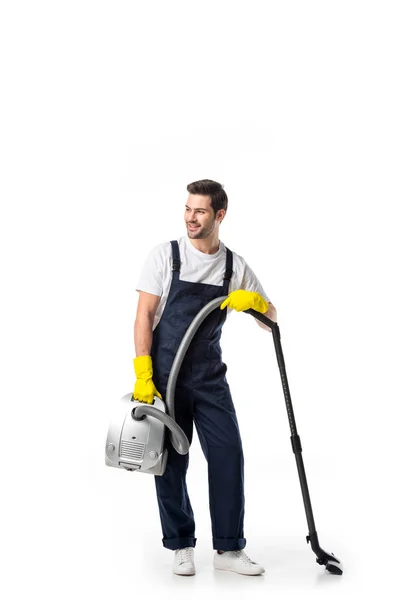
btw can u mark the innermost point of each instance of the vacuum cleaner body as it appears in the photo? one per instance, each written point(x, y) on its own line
point(136, 444)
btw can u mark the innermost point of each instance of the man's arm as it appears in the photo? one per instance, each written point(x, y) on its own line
point(271, 314)
point(143, 330)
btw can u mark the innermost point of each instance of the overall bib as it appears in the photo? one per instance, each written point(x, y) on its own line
point(202, 395)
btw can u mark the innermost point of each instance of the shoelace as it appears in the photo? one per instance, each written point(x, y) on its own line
point(243, 556)
point(185, 555)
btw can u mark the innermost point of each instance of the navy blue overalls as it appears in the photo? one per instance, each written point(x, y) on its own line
point(202, 395)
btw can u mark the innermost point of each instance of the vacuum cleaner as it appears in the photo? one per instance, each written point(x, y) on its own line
point(135, 440)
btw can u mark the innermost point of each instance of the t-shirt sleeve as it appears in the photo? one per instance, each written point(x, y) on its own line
point(151, 276)
point(251, 283)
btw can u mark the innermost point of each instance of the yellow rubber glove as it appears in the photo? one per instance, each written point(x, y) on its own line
point(145, 390)
point(243, 300)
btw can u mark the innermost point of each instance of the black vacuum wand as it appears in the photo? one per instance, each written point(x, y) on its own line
point(330, 561)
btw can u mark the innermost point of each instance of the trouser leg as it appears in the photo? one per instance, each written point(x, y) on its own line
point(176, 514)
point(219, 435)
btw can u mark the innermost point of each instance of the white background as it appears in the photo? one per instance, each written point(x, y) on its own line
point(109, 110)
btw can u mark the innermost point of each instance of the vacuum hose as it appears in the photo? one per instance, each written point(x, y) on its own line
point(178, 437)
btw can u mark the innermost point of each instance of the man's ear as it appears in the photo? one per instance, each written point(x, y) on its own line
point(221, 215)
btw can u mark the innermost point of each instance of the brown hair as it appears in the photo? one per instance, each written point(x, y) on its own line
point(207, 187)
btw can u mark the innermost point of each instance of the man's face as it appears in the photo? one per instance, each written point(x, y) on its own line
point(200, 215)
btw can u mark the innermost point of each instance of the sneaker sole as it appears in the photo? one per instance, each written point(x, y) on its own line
point(184, 574)
point(238, 572)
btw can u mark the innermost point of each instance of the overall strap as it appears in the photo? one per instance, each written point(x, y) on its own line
point(176, 259)
point(228, 271)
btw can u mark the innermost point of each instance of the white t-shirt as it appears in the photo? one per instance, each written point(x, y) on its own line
point(196, 266)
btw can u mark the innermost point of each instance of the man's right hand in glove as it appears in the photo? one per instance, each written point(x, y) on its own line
point(145, 390)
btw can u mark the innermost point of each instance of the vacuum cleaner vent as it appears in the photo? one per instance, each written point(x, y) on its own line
point(132, 450)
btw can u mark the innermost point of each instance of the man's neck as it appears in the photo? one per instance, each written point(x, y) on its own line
point(207, 246)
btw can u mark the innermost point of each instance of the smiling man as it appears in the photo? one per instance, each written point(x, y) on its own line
point(178, 279)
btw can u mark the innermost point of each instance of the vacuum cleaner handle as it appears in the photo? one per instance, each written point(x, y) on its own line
point(261, 317)
point(140, 411)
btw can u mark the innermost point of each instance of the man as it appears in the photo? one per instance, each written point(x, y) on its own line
point(178, 279)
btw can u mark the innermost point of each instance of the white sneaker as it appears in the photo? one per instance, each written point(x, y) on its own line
point(237, 561)
point(184, 562)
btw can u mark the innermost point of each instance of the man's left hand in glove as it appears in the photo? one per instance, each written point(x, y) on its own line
point(243, 300)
